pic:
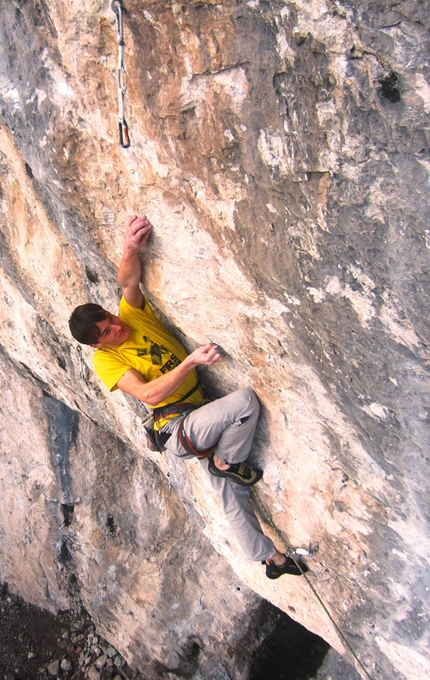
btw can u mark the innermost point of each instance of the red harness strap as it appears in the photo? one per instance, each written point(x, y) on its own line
point(189, 448)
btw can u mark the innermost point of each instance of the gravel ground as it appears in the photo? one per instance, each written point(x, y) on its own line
point(36, 645)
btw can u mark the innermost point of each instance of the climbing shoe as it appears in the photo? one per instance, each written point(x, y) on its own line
point(290, 567)
point(237, 472)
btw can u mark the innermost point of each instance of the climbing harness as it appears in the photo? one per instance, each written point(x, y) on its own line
point(187, 444)
point(124, 139)
point(311, 551)
point(156, 418)
point(148, 426)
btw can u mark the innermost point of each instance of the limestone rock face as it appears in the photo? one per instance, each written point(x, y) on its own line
point(281, 152)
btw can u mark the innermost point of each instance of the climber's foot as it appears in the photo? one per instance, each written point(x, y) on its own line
point(295, 567)
point(237, 472)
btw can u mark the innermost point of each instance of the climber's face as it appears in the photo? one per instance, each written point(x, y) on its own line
point(113, 332)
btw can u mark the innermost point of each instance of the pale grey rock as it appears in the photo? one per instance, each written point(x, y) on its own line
point(54, 668)
point(118, 661)
point(101, 661)
point(93, 674)
point(66, 664)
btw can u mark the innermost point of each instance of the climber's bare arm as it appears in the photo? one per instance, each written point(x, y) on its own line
point(156, 391)
point(130, 270)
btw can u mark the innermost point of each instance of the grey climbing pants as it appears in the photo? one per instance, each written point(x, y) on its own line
point(230, 421)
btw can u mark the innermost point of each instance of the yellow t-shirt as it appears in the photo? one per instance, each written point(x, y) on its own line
point(151, 350)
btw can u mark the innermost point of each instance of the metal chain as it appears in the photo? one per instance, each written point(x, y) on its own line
point(124, 138)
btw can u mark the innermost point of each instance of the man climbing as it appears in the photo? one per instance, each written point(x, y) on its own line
point(138, 355)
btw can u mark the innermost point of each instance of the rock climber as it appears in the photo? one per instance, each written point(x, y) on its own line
point(138, 355)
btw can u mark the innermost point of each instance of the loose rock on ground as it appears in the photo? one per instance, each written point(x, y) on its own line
point(36, 645)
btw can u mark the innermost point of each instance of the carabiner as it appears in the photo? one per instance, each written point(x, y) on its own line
point(124, 138)
point(116, 5)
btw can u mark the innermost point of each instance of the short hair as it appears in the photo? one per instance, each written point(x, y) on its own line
point(83, 320)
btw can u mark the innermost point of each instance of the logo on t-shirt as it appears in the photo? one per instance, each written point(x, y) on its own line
point(159, 355)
